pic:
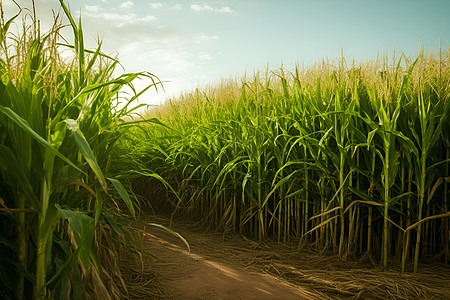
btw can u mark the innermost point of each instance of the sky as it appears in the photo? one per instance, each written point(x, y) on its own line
point(189, 44)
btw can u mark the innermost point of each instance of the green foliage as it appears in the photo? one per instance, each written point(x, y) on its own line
point(60, 121)
point(340, 155)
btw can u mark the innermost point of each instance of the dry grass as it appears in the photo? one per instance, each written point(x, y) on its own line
point(323, 276)
point(141, 279)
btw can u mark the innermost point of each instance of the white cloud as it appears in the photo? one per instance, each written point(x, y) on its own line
point(126, 18)
point(92, 8)
point(207, 7)
point(177, 6)
point(127, 4)
point(170, 64)
point(170, 52)
point(167, 57)
point(206, 38)
point(156, 5)
point(147, 18)
point(117, 19)
point(204, 56)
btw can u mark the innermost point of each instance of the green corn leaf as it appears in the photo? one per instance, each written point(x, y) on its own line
point(94, 57)
point(98, 206)
point(22, 123)
point(77, 284)
point(396, 199)
point(85, 150)
point(110, 218)
point(86, 90)
point(408, 143)
point(9, 162)
point(176, 234)
point(80, 54)
point(244, 183)
point(83, 229)
point(90, 52)
point(51, 219)
point(63, 270)
point(72, 23)
point(8, 265)
point(124, 195)
point(57, 137)
point(5, 28)
point(278, 184)
point(144, 121)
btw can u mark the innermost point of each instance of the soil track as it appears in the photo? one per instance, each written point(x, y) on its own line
point(229, 267)
point(194, 276)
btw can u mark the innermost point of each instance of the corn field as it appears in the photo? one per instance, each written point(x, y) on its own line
point(342, 156)
point(347, 157)
point(59, 190)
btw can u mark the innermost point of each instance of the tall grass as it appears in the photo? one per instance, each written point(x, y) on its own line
point(344, 156)
point(59, 123)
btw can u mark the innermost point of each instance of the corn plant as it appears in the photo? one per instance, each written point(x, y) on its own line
point(59, 122)
point(348, 157)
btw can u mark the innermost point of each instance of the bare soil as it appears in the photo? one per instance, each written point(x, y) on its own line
point(220, 266)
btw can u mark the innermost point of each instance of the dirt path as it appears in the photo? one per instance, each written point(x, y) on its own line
point(193, 275)
point(229, 267)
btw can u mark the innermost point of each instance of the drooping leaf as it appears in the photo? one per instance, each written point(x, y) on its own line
point(83, 229)
point(176, 234)
point(63, 270)
point(124, 195)
point(22, 123)
point(85, 150)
